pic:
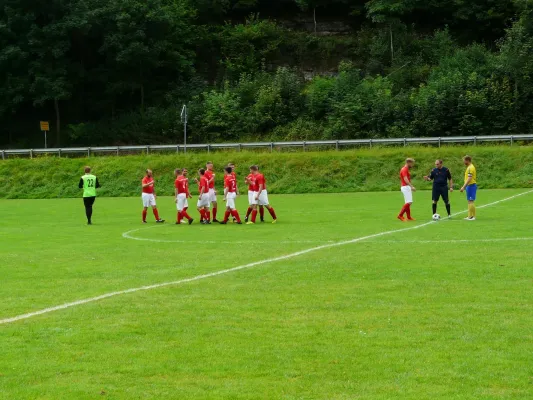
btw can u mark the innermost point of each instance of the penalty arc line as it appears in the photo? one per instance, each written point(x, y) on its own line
point(234, 269)
point(128, 235)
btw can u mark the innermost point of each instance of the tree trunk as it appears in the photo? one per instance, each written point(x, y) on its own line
point(58, 123)
point(314, 18)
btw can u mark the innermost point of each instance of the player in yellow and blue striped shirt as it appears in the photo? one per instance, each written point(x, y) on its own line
point(471, 187)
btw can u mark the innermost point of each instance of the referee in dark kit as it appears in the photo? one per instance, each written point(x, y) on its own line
point(441, 176)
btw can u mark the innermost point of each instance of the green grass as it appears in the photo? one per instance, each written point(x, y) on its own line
point(363, 170)
point(405, 316)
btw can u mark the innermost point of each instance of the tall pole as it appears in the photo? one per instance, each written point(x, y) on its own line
point(185, 137)
point(45, 144)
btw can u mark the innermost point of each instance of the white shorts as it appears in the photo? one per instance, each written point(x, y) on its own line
point(263, 198)
point(212, 196)
point(148, 200)
point(182, 202)
point(407, 194)
point(204, 201)
point(251, 198)
point(230, 200)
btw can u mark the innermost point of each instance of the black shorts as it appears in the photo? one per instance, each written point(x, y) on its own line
point(88, 201)
point(440, 191)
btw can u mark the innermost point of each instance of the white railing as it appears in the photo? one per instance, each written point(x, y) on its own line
point(336, 144)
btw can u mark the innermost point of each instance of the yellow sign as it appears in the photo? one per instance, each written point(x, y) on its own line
point(45, 126)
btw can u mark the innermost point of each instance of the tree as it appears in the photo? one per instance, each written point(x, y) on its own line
point(148, 45)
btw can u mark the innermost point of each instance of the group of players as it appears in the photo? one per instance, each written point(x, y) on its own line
point(207, 204)
point(442, 183)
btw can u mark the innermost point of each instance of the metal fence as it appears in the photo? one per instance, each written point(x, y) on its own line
point(269, 146)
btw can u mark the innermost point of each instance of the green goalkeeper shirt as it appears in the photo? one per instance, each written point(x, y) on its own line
point(89, 183)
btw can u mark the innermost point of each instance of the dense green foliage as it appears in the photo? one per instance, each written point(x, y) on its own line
point(112, 72)
point(311, 172)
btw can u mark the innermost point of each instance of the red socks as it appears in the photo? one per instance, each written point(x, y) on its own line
point(184, 214)
point(254, 215)
point(262, 212)
point(405, 209)
point(207, 215)
point(235, 214)
point(226, 215)
point(214, 213)
point(272, 213)
point(248, 212)
point(180, 214)
point(144, 215)
point(156, 214)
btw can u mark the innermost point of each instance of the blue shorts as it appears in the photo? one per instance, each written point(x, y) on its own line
point(471, 192)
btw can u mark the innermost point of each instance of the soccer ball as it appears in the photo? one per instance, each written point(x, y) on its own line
point(436, 217)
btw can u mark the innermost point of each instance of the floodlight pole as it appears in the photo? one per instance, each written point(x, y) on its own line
point(184, 120)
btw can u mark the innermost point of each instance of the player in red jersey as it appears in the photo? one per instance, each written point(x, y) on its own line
point(234, 174)
point(149, 196)
point(182, 194)
point(253, 188)
point(230, 194)
point(407, 189)
point(204, 198)
point(210, 175)
point(262, 195)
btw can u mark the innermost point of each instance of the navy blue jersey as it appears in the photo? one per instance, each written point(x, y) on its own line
point(440, 177)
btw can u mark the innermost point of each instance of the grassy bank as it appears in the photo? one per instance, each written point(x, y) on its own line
point(326, 172)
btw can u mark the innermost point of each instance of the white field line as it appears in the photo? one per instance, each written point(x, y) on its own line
point(128, 235)
point(226, 271)
point(518, 239)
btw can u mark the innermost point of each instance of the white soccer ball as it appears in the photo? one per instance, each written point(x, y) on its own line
point(436, 217)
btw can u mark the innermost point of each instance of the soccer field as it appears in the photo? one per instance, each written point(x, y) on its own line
point(339, 300)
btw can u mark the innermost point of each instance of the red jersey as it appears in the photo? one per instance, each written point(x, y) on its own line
point(203, 183)
point(230, 183)
point(148, 189)
point(405, 173)
point(260, 180)
point(209, 175)
point(182, 184)
point(252, 183)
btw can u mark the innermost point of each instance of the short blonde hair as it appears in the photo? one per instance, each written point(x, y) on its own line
point(409, 160)
point(467, 158)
